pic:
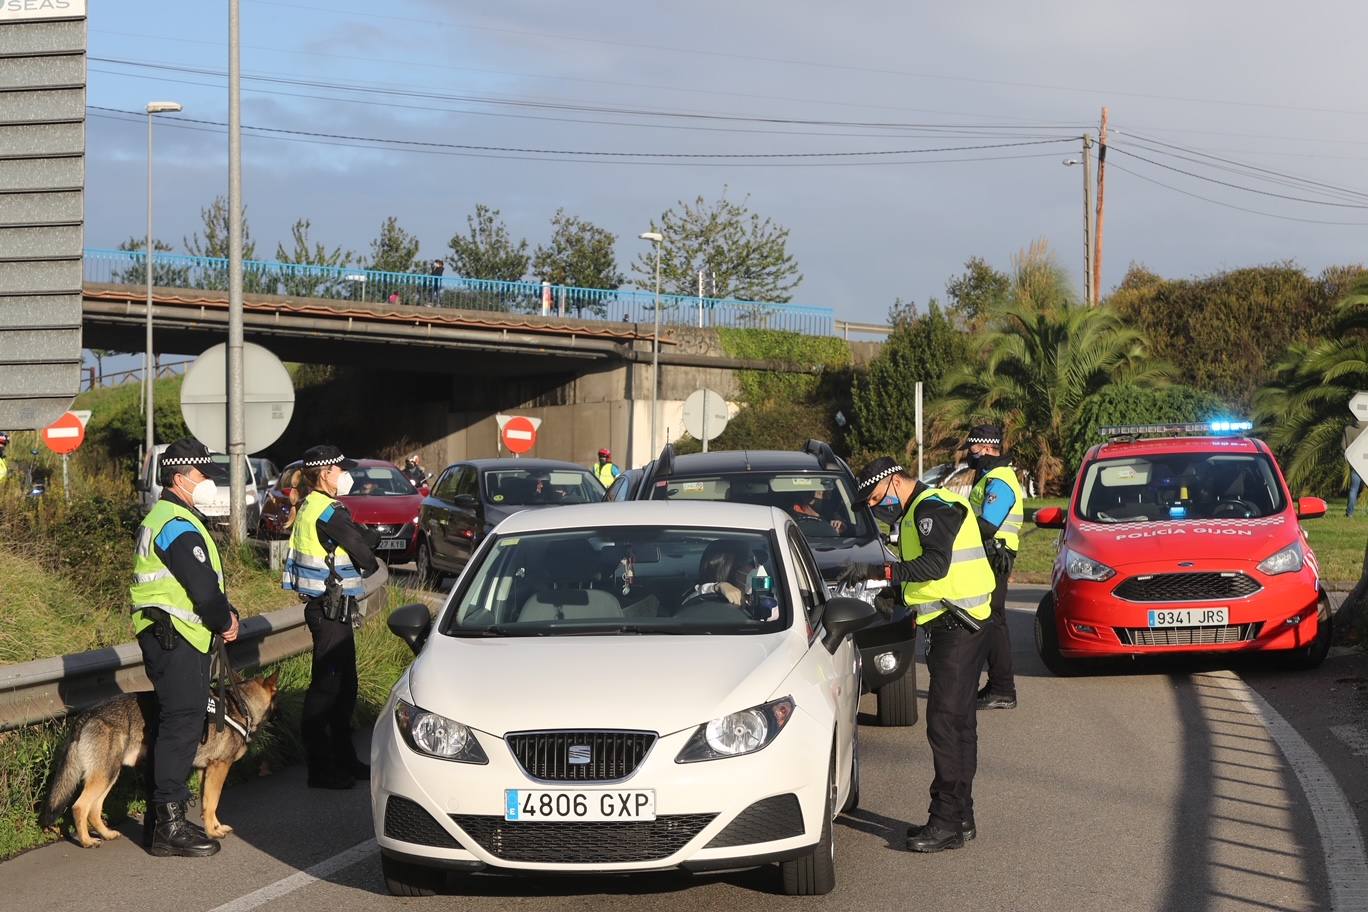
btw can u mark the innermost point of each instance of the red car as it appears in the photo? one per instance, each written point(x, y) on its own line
point(1182, 544)
point(381, 498)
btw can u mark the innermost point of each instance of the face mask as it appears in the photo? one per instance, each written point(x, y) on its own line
point(344, 484)
point(204, 493)
point(889, 512)
point(974, 460)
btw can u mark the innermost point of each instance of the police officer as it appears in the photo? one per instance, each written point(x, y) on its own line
point(4, 466)
point(946, 579)
point(999, 504)
point(605, 471)
point(328, 554)
point(179, 606)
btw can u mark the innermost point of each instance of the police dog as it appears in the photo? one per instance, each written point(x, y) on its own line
point(113, 735)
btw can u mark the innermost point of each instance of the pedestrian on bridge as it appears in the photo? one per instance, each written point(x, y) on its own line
point(328, 555)
point(179, 606)
point(947, 580)
point(999, 505)
point(604, 470)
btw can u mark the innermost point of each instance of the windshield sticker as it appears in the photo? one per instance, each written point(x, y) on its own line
point(691, 487)
point(508, 542)
point(498, 498)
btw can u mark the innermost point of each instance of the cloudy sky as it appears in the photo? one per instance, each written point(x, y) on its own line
point(1215, 88)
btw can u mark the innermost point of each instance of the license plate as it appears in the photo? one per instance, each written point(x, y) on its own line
point(1190, 617)
point(547, 805)
point(392, 544)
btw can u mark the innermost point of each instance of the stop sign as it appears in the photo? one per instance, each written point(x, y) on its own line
point(519, 434)
point(65, 435)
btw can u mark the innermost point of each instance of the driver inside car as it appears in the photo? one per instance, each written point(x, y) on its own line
point(804, 506)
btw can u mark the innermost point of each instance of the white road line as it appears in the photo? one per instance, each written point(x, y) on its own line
point(287, 885)
point(1341, 841)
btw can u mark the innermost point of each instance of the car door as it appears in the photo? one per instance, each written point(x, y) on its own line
point(435, 516)
point(467, 523)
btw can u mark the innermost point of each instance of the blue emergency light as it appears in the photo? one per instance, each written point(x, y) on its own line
point(1205, 428)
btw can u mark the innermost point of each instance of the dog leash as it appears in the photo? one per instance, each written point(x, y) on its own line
point(223, 689)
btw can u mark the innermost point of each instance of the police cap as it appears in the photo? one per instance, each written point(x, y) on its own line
point(325, 455)
point(988, 434)
point(876, 472)
point(186, 453)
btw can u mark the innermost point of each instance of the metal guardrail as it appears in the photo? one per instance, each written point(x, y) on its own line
point(174, 270)
point(844, 328)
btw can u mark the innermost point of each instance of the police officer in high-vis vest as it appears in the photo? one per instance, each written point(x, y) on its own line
point(4, 466)
point(328, 555)
point(999, 504)
point(179, 606)
point(604, 470)
point(946, 579)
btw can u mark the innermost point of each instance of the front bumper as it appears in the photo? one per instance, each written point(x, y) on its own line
point(434, 812)
point(1092, 622)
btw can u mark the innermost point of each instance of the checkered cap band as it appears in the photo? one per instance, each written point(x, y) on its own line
point(186, 460)
point(870, 483)
point(331, 460)
point(987, 440)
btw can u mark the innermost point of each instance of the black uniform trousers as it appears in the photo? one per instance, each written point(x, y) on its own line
point(180, 678)
point(1001, 680)
point(954, 655)
point(331, 698)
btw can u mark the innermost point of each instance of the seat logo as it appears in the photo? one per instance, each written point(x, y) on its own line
point(580, 754)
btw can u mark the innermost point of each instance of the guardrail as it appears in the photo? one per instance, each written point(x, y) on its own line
point(174, 270)
point(845, 327)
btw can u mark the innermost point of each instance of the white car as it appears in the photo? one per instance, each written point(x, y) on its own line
point(623, 687)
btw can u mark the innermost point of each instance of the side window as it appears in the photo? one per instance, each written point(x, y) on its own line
point(445, 488)
point(466, 483)
point(617, 491)
point(810, 585)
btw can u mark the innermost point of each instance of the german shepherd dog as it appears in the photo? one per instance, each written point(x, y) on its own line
point(113, 735)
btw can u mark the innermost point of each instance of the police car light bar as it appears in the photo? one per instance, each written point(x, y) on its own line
point(1154, 430)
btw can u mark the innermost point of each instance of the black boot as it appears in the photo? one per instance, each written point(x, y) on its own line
point(174, 836)
point(932, 838)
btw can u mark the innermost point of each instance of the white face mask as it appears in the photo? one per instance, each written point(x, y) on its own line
point(204, 493)
point(344, 484)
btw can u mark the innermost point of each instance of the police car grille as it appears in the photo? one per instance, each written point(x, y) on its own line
point(583, 842)
point(1188, 636)
point(611, 754)
point(406, 821)
point(1186, 587)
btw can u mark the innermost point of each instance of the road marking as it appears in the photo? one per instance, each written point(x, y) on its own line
point(286, 885)
point(1354, 738)
point(1341, 841)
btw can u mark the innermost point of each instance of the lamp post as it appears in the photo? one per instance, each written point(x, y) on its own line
point(656, 238)
point(153, 107)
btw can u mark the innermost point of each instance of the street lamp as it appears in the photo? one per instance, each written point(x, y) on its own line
point(153, 107)
point(655, 237)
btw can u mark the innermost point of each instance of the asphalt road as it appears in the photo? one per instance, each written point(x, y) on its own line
point(1133, 789)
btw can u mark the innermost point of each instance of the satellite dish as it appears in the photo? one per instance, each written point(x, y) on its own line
point(705, 415)
point(267, 402)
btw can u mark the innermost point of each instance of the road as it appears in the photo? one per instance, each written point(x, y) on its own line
point(1173, 787)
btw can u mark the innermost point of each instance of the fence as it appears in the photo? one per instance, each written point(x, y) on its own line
point(172, 270)
point(95, 378)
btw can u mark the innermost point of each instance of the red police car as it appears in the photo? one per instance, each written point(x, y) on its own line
point(1179, 544)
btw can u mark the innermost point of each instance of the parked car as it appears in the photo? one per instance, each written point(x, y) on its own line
point(264, 470)
point(381, 498)
point(470, 498)
point(590, 700)
point(817, 489)
point(1182, 544)
point(150, 488)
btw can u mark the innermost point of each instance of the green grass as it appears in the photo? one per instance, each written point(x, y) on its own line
point(1337, 540)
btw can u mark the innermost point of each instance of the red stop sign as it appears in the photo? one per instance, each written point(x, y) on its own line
point(65, 435)
point(519, 434)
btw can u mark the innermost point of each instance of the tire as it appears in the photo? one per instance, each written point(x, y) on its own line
point(405, 879)
point(814, 874)
point(429, 577)
point(898, 700)
point(1309, 657)
point(1047, 639)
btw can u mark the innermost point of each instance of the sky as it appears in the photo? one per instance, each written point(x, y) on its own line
point(1191, 87)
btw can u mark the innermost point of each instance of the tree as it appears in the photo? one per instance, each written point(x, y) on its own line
point(486, 251)
point(1122, 404)
point(215, 245)
point(166, 273)
point(581, 254)
point(394, 249)
point(312, 283)
point(975, 292)
point(99, 354)
point(1044, 356)
point(745, 256)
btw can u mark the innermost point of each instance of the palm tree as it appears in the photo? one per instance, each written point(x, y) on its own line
point(1044, 354)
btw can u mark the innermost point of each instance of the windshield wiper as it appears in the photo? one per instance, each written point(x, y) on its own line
point(599, 629)
point(498, 630)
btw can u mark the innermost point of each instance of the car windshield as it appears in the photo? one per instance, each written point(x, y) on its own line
point(622, 580)
point(820, 504)
point(380, 481)
point(518, 487)
point(1180, 486)
point(262, 469)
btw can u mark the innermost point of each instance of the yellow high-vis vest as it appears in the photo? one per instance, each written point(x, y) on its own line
point(153, 584)
point(969, 582)
point(1009, 533)
point(306, 563)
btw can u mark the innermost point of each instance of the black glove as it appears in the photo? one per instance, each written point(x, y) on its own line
point(858, 573)
point(1000, 557)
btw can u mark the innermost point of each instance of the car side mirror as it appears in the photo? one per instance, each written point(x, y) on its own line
point(1310, 508)
point(464, 500)
point(1050, 518)
point(412, 624)
point(844, 616)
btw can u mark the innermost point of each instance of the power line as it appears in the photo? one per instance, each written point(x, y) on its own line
point(1234, 186)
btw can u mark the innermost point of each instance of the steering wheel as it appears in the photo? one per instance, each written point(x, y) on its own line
point(1233, 507)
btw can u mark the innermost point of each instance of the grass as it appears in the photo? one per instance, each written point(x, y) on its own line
point(1337, 540)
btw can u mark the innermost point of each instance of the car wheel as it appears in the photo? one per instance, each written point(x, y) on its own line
point(1311, 656)
point(429, 577)
point(1047, 639)
point(405, 879)
point(814, 874)
point(898, 699)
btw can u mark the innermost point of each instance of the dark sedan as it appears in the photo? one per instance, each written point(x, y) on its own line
point(470, 498)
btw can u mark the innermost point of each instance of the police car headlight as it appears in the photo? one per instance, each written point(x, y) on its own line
point(1081, 567)
point(437, 736)
point(739, 733)
point(1288, 560)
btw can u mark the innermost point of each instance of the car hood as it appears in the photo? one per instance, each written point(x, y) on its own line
point(658, 683)
point(835, 554)
point(392, 508)
point(1123, 544)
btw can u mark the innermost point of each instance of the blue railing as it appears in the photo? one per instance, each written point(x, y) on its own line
point(173, 270)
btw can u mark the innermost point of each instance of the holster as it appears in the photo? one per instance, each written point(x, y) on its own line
point(162, 628)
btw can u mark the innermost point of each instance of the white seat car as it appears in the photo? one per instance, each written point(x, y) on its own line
point(623, 687)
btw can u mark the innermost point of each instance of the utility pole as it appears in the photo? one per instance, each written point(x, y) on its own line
point(237, 436)
point(700, 314)
point(1088, 221)
point(1101, 188)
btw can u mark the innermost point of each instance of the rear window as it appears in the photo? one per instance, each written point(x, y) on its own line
point(822, 505)
point(1180, 486)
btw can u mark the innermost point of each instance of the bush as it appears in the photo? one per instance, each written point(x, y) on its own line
point(1120, 404)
